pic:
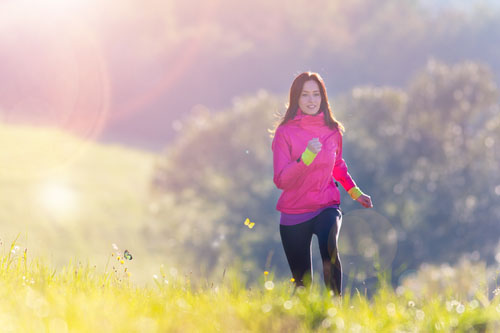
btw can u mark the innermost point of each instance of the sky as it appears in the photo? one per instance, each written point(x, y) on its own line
point(461, 4)
point(123, 72)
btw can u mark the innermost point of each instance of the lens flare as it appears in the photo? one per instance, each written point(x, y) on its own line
point(54, 75)
point(368, 243)
point(58, 199)
point(180, 62)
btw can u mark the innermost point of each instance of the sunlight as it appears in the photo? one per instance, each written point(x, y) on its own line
point(68, 84)
point(45, 10)
point(58, 199)
point(59, 6)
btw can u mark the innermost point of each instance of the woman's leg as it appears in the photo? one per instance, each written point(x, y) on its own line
point(296, 240)
point(327, 228)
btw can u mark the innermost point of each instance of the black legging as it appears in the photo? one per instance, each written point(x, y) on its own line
point(296, 241)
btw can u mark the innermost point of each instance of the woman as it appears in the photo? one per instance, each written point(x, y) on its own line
point(307, 152)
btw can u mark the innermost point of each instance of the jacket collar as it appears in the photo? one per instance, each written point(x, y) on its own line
point(306, 120)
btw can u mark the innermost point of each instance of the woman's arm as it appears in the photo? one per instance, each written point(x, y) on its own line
point(341, 174)
point(287, 171)
point(340, 169)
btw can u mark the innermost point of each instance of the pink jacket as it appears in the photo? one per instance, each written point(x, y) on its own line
point(308, 188)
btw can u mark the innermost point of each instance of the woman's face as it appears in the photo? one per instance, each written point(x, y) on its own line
point(310, 98)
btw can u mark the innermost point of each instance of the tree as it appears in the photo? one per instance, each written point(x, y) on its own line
point(215, 176)
point(428, 155)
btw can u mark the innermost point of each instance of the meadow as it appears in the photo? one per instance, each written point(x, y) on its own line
point(100, 237)
point(82, 297)
point(71, 207)
point(64, 196)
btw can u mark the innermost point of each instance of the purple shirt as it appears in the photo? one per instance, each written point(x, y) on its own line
point(293, 219)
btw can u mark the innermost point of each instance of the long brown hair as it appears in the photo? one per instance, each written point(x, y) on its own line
point(293, 102)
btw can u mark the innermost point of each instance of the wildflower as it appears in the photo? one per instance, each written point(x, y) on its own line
point(292, 280)
point(118, 258)
point(266, 273)
point(122, 262)
point(269, 285)
point(391, 309)
point(115, 247)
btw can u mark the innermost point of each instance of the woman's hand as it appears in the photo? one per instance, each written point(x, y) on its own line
point(365, 200)
point(314, 145)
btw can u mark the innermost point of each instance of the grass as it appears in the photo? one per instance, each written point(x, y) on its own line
point(80, 298)
point(69, 196)
point(97, 294)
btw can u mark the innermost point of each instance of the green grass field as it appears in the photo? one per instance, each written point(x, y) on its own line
point(67, 197)
point(64, 204)
point(35, 297)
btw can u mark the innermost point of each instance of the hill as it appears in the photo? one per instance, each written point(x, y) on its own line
point(71, 199)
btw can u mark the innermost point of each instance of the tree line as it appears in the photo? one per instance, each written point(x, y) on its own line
point(427, 153)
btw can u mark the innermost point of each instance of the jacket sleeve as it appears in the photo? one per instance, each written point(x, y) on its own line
point(340, 169)
point(286, 170)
